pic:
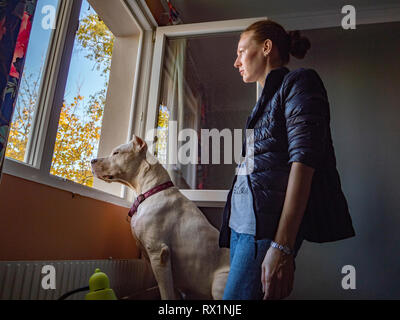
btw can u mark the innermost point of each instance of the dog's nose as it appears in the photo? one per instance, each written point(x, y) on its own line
point(93, 161)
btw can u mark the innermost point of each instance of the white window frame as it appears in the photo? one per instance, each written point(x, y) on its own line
point(39, 152)
point(203, 198)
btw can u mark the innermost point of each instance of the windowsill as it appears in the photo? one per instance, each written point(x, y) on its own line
point(27, 172)
point(202, 198)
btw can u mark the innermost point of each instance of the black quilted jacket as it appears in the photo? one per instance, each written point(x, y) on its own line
point(291, 124)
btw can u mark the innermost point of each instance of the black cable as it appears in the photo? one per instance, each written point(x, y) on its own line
point(72, 292)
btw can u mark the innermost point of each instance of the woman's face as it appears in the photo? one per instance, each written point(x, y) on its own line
point(250, 59)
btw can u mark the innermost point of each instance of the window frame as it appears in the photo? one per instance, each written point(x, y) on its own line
point(40, 148)
point(203, 198)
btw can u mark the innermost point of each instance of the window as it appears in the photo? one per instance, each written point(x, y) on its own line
point(201, 91)
point(111, 105)
point(27, 100)
point(85, 104)
point(79, 127)
point(162, 134)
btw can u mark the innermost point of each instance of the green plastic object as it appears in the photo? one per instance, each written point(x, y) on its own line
point(99, 286)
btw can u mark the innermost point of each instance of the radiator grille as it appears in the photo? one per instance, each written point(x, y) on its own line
point(21, 280)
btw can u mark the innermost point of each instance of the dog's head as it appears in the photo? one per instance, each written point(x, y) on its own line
point(123, 164)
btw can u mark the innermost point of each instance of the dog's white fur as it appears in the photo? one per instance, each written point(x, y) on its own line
point(177, 239)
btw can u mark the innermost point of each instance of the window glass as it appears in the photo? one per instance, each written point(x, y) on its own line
point(201, 90)
point(79, 128)
point(26, 103)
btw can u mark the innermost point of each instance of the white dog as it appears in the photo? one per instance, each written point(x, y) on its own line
point(175, 236)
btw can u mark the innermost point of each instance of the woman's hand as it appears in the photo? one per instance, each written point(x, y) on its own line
point(277, 274)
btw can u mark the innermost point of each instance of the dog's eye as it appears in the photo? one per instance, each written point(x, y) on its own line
point(116, 152)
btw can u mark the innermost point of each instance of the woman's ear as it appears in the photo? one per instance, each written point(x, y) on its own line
point(267, 47)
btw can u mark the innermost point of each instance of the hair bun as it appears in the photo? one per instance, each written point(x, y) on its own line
point(298, 45)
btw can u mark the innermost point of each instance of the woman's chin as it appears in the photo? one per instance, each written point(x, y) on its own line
point(246, 80)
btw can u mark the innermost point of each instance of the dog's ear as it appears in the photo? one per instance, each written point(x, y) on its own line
point(138, 143)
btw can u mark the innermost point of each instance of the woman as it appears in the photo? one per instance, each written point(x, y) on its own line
point(293, 191)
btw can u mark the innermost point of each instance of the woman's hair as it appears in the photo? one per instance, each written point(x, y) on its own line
point(287, 43)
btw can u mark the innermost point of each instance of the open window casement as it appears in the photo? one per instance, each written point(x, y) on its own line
point(197, 105)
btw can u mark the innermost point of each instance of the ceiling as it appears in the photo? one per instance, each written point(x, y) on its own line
point(194, 11)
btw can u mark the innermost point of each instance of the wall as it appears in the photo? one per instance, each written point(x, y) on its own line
point(361, 71)
point(38, 222)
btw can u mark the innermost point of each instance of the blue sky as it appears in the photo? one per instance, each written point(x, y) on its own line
point(81, 69)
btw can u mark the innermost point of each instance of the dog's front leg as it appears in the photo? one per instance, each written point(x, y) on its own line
point(160, 259)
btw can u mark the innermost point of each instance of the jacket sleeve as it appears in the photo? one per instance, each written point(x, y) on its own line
point(306, 110)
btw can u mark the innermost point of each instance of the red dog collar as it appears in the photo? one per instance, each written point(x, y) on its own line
point(143, 196)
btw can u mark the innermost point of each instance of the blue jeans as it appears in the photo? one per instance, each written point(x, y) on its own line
point(246, 256)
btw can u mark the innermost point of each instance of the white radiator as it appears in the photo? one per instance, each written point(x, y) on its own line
point(23, 279)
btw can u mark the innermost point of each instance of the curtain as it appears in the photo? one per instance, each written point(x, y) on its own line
point(16, 18)
point(173, 99)
point(184, 108)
